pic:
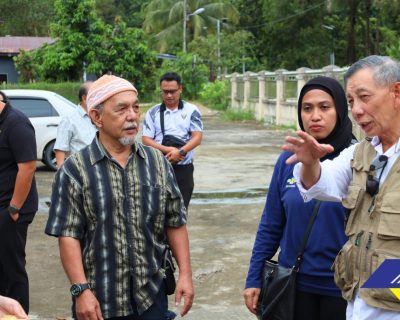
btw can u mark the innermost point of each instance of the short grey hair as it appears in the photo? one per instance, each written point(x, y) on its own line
point(386, 69)
point(99, 107)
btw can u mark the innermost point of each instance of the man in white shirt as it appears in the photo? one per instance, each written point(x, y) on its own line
point(76, 130)
point(365, 178)
point(175, 128)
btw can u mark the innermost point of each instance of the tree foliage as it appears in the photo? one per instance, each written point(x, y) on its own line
point(105, 36)
point(193, 71)
point(164, 20)
point(130, 11)
point(25, 17)
point(86, 44)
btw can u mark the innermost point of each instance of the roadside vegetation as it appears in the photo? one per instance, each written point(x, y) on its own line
point(125, 37)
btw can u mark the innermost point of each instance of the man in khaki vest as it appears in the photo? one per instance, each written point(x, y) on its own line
point(366, 178)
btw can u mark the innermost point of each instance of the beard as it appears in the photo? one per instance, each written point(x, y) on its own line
point(128, 141)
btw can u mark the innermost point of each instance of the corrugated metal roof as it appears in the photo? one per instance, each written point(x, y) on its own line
point(12, 45)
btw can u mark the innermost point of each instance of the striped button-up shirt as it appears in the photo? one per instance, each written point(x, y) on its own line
point(120, 216)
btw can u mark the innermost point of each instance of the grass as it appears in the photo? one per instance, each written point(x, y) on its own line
point(232, 115)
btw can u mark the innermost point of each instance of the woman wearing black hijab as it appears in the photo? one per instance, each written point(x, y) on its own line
point(323, 113)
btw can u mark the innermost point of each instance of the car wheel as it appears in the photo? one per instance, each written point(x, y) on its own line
point(49, 157)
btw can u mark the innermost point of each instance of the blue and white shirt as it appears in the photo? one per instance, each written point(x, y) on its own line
point(180, 122)
point(75, 131)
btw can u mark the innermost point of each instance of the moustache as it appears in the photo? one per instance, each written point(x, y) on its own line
point(130, 125)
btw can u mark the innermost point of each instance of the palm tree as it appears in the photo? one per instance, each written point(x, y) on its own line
point(164, 20)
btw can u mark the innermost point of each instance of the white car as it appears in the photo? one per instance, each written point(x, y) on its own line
point(45, 110)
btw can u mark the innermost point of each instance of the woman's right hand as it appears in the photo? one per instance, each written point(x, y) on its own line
point(251, 298)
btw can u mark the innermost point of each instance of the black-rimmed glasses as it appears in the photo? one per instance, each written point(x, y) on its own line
point(378, 163)
point(167, 92)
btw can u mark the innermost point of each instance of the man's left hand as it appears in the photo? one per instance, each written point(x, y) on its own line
point(184, 288)
point(174, 156)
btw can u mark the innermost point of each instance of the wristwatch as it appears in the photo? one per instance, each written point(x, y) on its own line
point(182, 152)
point(77, 289)
point(13, 209)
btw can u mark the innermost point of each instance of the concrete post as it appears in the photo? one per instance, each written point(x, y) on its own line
point(246, 91)
point(301, 81)
point(234, 91)
point(261, 96)
point(280, 94)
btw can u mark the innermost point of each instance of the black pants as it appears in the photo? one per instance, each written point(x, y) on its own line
point(13, 277)
point(184, 177)
point(311, 306)
point(157, 311)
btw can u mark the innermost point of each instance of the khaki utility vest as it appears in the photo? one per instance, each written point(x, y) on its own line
point(373, 228)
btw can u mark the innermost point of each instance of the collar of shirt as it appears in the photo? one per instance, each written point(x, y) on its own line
point(392, 153)
point(82, 111)
point(163, 107)
point(376, 142)
point(99, 152)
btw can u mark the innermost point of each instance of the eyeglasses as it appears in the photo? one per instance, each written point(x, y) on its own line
point(378, 163)
point(167, 92)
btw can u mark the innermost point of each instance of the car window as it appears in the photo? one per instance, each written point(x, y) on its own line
point(34, 107)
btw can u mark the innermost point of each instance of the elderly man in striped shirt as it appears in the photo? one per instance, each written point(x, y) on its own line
point(115, 205)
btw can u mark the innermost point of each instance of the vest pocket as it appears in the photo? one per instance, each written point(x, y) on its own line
point(343, 266)
point(389, 223)
point(351, 202)
point(377, 259)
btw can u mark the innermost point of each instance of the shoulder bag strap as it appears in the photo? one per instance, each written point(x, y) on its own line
point(306, 235)
point(162, 109)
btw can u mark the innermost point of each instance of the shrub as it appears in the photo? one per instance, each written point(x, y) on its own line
point(215, 95)
point(68, 90)
point(232, 115)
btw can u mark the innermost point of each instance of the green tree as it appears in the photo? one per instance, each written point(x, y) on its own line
point(236, 52)
point(131, 11)
point(26, 17)
point(78, 31)
point(193, 71)
point(124, 52)
point(164, 20)
point(25, 66)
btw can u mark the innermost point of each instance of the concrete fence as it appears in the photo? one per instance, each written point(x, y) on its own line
point(272, 96)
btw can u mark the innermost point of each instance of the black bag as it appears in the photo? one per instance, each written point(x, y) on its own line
point(277, 297)
point(169, 268)
point(278, 293)
point(172, 141)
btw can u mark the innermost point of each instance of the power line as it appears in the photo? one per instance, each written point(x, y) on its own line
point(284, 19)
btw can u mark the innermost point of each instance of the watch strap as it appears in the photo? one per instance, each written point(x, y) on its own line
point(12, 209)
point(77, 288)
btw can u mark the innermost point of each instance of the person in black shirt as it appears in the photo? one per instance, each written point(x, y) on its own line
point(18, 199)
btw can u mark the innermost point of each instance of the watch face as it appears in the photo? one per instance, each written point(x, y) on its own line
point(13, 210)
point(75, 290)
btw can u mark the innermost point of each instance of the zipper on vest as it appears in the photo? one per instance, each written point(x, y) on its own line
point(372, 206)
point(358, 238)
point(367, 246)
point(357, 244)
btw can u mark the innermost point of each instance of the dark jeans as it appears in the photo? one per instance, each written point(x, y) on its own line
point(157, 311)
point(184, 177)
point(13, 277)
point(318, 307)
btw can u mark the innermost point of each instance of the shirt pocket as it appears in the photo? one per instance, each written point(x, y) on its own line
point(153, 206)
point(352, 202)
point(389, 222)
point(343, 266)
